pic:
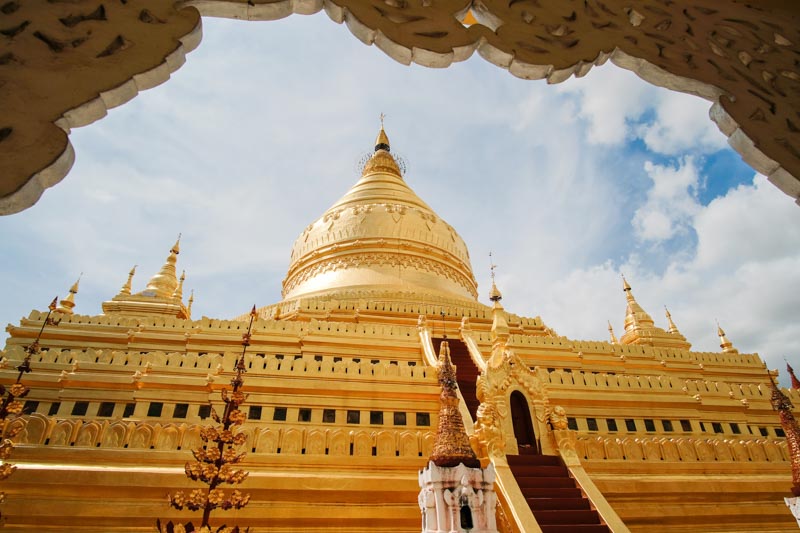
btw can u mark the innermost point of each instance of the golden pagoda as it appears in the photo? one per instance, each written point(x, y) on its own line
point(343, 399)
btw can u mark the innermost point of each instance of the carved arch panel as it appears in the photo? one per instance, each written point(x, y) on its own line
point(64, 64)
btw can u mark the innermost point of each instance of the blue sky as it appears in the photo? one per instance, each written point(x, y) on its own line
point(568, 185)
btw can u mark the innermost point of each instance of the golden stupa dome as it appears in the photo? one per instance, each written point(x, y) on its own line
point(380, 238)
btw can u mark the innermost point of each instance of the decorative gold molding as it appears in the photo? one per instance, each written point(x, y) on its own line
point(390, 260)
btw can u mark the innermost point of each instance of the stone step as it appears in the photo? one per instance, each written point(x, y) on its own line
point(545, 482)
point(550, 492)
point(574, 528)
point(571, 517)
point(553, 504)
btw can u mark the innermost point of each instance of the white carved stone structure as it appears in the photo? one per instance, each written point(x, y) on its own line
point(457, 499)
point(794, 506)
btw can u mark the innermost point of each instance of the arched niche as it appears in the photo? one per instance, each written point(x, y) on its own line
point(522, 422)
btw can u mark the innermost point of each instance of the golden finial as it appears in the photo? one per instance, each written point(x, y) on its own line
point(189, 307)
point(611, 332)
point(66, 305)
point(724, 343)
point(494, 293)
point(672, 327)
point(126, 288)
point(176, 249)
point(635, 316)
point(451, 446)
point(382, 142)
point(178, 293)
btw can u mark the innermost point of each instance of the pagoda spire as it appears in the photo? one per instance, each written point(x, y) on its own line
point(672, 327)
point(382, 141)
point(381, 159)
point(635, 316)
point(500, 330)
point(451, 446)
point(724, 343)
point(611, 334)
point(126, 288)
point(795, 381)
point(189, 307)
point(162, 296)
point(494, 293)
point(164, 283)
point(65, 306)
point(640, 328)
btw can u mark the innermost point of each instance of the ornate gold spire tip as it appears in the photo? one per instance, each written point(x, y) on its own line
point(67, 304)
point(672, 327)
point(126, 287)
point(724, 343)
point(382, 142)
point(625, 286)
point(614, 339)
point(494, 294)
point(74, 288)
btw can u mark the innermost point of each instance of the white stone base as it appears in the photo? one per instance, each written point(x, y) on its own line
point(794, 506)
point(445, 490)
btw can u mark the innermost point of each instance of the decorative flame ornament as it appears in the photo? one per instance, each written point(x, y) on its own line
point(11, 404)
point(214, 460)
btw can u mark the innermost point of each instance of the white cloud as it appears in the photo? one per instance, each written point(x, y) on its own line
point(745, 272)
point(618, 108)
point(681, 124)
point(610, 98)
point(671, 201)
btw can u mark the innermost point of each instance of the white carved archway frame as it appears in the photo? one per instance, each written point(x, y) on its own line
point(63, 65)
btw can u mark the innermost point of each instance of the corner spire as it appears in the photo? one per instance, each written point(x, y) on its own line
point(672, 327)
point(178, 294)
point(65, 306)
point(126, 288)
point(451, 446)
point(795, 382)
point(189, 307)
point(611, 334)
point(724, 343)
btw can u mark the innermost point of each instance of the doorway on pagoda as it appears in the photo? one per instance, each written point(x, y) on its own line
point(523, 425)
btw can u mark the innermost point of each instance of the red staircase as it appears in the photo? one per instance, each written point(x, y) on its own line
point(553, 496)
point(466, 372)
point(555, 499)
